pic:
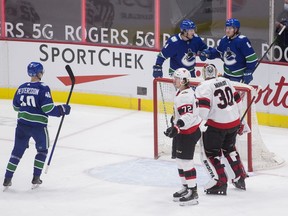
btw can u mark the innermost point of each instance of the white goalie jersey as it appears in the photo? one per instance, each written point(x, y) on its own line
point(186, 108)
point(219, 103)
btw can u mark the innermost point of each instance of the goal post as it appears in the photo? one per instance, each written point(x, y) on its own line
point(250, 145)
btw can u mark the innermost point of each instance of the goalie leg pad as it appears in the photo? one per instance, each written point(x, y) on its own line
point(210, 170)
point(219, 167)
point(208, 166)
point(235, 163)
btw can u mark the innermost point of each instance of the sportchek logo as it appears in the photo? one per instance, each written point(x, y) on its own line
point(84, 79)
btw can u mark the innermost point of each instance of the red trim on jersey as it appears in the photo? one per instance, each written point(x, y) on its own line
point(190, 130)
point(223, 125)
point(204, 102)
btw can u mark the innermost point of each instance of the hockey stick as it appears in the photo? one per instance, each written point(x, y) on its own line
point(72, 78)
point(164, 106)
point(248, 107)
point(258, 63)
point(250, 104)
point(279, 33)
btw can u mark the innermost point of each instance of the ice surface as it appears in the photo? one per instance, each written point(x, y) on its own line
point(103, 165)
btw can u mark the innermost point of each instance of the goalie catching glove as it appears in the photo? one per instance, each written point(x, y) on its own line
point(175, 129)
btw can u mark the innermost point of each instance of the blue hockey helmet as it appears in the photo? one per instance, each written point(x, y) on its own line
point(34, 68)
point(232, 23)
point(187, 24)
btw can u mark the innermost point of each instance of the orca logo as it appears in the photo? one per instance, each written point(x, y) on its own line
point(229, 57)
point(189, 58)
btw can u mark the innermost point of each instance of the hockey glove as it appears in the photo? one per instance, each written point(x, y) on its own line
point(172, 131)
point(247, 76)
point(157, 71)
point(240, 129)
point(64, 109)
point(204, 54)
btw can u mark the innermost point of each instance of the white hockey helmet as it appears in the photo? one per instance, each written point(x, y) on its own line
point(183, 74)
point(209, 71)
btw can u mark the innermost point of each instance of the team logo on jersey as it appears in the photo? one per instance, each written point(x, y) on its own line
point(189, 58)
point(229, 57)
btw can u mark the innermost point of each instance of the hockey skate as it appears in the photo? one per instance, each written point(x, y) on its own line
point(7, 183)
point(191, 198)
point(218, 189)
point(177, 195)
point(36, 181)
point(240, 183)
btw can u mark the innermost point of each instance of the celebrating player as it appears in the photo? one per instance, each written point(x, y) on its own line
point(181, 49)
point(236, 52)
point(220, 104)
point(185, 131)
point(34, 104)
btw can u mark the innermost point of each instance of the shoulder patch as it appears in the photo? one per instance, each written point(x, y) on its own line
point(242, 36)
point(174, 39)
point(43, 84)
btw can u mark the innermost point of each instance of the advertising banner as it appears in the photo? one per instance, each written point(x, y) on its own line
point(119, 71)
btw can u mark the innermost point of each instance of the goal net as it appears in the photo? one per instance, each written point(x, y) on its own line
point(250, 146)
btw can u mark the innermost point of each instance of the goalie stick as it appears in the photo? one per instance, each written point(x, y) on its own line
point(72, 78)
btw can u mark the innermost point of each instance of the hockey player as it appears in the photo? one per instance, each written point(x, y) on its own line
point(220, 104)
point(34, 104)
point(185, 130)
point(181, 49)
point(236, 52)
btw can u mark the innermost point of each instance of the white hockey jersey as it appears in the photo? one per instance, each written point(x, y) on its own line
point(219, 103)
point(186, 108)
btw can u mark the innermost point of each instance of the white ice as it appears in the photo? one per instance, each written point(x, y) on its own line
point(103, 165)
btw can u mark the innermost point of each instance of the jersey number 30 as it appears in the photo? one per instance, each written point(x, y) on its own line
point(225, 96)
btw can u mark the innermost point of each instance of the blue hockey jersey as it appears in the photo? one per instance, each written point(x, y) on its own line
point(182, 53)
point(34, 103)
point(237, 55)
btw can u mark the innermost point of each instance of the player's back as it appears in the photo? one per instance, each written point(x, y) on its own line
point(217, 96)
point(29, 100)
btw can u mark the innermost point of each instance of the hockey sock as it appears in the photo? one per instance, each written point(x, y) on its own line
point(39, 163)
point(190, 177)
point(182, 176)
point(11, 166)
